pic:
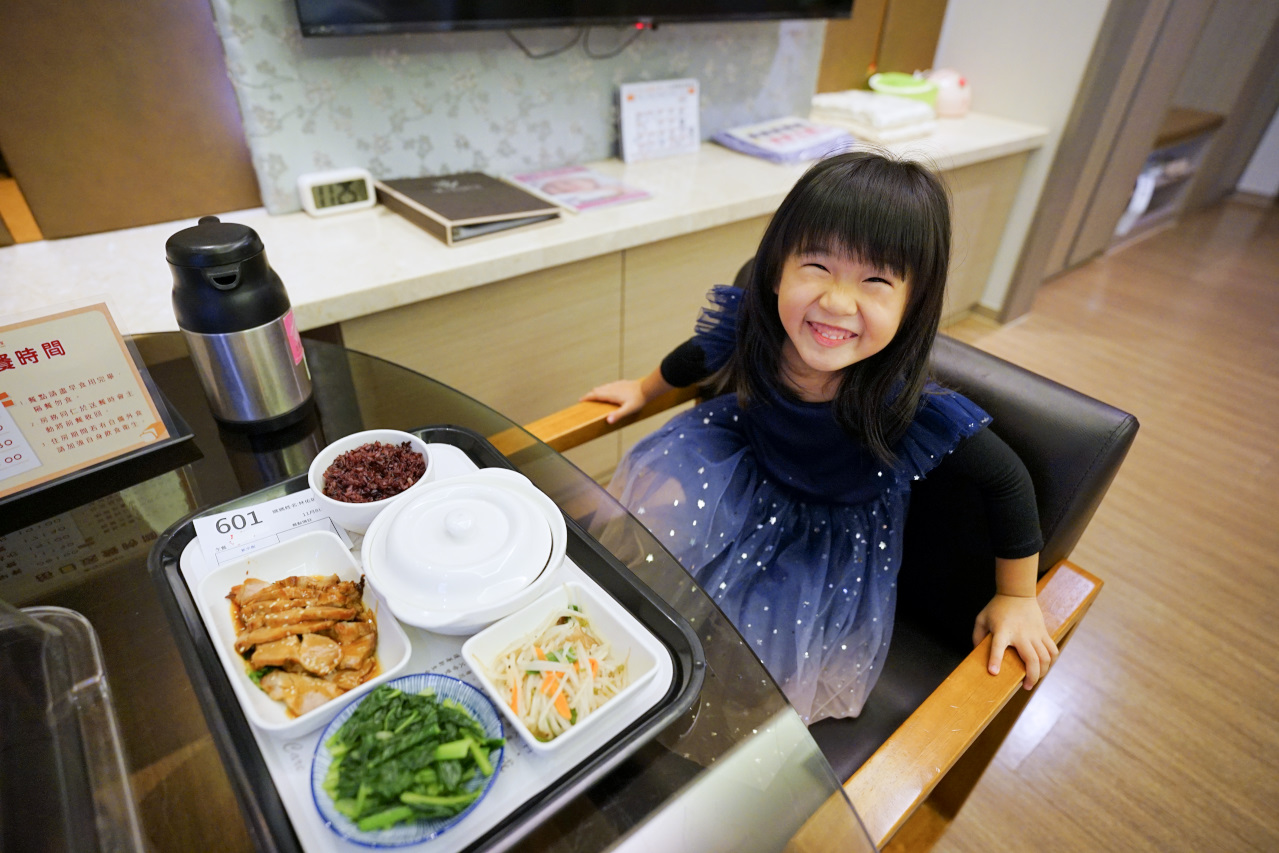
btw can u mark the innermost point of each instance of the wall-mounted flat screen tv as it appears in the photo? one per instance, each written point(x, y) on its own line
point(365, 17)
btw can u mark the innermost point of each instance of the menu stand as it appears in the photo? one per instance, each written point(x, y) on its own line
point(77, 488)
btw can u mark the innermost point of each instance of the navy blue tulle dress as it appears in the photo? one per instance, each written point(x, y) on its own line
point(791, 526)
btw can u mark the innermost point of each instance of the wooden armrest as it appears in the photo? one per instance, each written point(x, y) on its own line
point(582, 422)
point(894, 781)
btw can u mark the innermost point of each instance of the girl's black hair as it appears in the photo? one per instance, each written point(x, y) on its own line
point(888, 212)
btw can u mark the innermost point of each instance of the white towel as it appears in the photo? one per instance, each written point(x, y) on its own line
point(881, 136)
point(873, 109)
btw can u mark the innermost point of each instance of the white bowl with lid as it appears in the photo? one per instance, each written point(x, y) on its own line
point(458, 554)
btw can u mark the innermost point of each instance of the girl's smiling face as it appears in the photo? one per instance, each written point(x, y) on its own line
point(836, 310)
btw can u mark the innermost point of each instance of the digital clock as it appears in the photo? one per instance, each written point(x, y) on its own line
point(324, 193)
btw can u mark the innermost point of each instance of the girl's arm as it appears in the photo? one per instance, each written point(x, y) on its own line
point(1013, 616)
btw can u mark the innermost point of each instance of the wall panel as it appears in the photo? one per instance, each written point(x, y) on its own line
point(114, 115)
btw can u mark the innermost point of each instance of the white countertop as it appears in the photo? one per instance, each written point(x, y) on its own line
point(350, 265)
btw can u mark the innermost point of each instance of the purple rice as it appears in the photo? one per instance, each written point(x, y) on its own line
point(373, 472)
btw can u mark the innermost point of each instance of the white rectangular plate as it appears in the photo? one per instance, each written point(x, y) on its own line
point(316, 553)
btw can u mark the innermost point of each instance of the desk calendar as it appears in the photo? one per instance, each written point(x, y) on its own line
point(658, 119)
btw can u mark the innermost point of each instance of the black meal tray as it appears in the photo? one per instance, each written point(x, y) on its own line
point(266, 818)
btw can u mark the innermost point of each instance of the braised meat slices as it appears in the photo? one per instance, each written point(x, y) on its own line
point(310, 639)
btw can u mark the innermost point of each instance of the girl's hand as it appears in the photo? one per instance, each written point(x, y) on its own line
point(1017, 621)
point(628, 394)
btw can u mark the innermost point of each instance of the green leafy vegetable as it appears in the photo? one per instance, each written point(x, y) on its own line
point(401, 757)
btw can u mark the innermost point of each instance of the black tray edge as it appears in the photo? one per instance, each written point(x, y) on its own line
point(268, 821)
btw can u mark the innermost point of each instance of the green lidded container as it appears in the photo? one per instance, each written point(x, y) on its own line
point(905, 85)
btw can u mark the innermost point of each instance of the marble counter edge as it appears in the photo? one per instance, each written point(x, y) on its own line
point(352, 265)
point(515, 260)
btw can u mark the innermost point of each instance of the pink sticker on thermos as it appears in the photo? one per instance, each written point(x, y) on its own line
point(295, 341)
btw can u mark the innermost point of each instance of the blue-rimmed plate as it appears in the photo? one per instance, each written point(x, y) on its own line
point(445, 687)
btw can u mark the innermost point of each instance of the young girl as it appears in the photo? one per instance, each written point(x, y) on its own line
point(786, 495)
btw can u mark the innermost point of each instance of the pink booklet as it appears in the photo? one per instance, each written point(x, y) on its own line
point(579, 188)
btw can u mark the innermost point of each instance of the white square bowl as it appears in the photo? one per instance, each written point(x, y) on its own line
point(629, 639)
point(315, 553)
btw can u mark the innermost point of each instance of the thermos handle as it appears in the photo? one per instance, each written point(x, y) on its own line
point(225, 277)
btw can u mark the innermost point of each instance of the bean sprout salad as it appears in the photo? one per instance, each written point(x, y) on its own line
point(558, 674)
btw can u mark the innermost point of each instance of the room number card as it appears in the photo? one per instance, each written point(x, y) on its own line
point(230, 535)
point(659, 119)
point(70, 396)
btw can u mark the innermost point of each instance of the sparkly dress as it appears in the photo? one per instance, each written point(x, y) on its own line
point(791, 526)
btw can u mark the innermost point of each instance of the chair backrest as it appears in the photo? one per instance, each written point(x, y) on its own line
point(1072, 446)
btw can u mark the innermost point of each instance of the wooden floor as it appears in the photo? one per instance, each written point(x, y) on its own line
point(1158, 729)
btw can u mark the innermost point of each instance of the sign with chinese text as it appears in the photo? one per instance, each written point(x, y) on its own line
point(71, 396)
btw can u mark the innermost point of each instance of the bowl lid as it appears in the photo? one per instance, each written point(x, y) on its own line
point(461, 545)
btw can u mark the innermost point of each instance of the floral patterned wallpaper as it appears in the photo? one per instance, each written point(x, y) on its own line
point(433, 103)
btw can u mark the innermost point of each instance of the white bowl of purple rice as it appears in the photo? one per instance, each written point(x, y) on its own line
point(358, 476)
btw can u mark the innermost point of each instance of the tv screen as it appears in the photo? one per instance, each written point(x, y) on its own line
point(364, 17)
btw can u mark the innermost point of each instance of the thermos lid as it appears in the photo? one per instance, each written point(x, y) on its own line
point(222, 282)
point(212, 243)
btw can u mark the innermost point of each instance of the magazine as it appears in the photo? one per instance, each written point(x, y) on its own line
point(786, 140)
point(579, 188)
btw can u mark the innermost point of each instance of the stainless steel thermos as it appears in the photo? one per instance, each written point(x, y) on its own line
point(236, 317)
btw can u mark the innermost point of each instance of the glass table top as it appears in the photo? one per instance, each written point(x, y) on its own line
point(737, 771)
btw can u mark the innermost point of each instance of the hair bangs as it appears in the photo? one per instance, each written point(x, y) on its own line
point(887, 223)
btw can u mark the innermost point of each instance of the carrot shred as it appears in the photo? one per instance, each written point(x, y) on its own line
point(561, 705)
point(541, 655)
point(550, 680)
point(595, 668)
point(515, 696)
